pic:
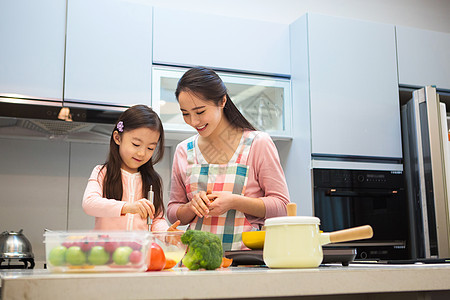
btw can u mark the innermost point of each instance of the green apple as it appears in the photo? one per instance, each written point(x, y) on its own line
point(121, 255)
point(98, 256)
point(57, 256)
point(75, 256)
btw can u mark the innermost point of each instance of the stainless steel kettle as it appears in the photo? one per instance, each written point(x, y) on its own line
point(15, 245)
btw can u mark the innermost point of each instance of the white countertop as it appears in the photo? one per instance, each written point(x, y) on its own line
point(233, 282)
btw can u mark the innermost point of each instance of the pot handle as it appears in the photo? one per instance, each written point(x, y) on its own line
point(351, 234)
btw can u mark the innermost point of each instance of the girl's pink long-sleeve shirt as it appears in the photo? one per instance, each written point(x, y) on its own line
point(266, 180)
point(107, 212)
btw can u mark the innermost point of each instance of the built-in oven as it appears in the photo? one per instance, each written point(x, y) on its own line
point(350, 198)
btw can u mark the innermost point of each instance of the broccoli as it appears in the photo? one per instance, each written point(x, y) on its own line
point(204, 250)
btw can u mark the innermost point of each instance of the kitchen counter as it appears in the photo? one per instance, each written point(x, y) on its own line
point(233, 282)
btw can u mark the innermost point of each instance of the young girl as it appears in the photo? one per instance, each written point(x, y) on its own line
point(117, 192)
point(227, 179)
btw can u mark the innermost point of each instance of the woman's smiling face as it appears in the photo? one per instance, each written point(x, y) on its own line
point(136, 147)
point(201, 114)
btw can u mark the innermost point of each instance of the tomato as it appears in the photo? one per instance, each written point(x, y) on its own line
point(157, 258)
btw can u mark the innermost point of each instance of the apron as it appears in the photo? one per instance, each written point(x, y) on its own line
point(231, 178)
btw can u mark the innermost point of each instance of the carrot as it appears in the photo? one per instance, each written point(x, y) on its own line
point(170, 263)
point(226, 262)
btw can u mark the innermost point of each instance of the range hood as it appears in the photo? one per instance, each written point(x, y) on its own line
point(51, 120)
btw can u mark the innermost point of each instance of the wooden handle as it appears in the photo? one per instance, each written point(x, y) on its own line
point(351, 234)
point(291, 209)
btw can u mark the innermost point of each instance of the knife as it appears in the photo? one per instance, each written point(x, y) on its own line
point(150, 198)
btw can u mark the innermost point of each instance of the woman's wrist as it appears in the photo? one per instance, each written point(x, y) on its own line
point(185, 214)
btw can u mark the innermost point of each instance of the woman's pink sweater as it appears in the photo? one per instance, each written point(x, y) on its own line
point(266, 179)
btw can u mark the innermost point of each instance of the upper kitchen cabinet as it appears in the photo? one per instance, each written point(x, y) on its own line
point(189, 39)
point(109, 52)
point(353, 89)
point(32, 49)
point(423, 57)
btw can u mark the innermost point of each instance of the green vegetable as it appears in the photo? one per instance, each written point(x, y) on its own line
point(204, 250)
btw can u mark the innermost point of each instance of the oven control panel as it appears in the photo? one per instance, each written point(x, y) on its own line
point(357, 178)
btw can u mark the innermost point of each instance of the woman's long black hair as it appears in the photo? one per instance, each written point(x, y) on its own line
point(135, 117)
point(207, 84)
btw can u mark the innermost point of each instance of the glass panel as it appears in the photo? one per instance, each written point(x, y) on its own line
point(261, 100)
point(169, 109)
point(261, 105)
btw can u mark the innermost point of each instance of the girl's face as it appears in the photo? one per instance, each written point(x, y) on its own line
point(204, 116)
point(136, 147)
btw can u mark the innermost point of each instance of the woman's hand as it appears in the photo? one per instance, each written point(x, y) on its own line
point(143, 207)
point(199, 204)
point(220, 203)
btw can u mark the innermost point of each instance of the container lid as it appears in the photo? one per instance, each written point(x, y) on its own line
point(292, 220)
point(92, 234)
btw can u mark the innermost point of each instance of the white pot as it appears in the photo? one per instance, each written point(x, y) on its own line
point(296, 242)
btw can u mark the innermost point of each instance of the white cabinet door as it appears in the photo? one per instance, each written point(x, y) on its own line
point(109, 52)
point(423, 57)
point(189, 39)
point(353, 88)
point(32, 49)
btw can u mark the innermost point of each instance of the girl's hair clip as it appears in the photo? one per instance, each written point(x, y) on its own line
point(120, 126)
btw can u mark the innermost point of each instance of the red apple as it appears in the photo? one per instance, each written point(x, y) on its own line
point(135, 257)
point(111, 246)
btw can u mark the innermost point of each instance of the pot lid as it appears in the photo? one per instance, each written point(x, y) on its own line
point(294, 220)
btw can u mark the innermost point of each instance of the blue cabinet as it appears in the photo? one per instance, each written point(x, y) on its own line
point(32, 49)
point(109, 52)
point(423, 57)
point(189, 39)
point(354, 102)
point(344, 98)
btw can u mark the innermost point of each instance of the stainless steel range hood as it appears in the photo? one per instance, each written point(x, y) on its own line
point(51, 120)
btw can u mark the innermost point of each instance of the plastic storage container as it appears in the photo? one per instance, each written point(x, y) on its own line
point(97, 251)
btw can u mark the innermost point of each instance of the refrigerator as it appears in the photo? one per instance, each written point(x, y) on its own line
point(427, 167)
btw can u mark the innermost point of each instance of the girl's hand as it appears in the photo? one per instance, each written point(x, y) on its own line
point(199, 204)
point(143, 207)
point(220, 203)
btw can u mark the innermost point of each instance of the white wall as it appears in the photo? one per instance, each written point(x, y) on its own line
point(430, 14)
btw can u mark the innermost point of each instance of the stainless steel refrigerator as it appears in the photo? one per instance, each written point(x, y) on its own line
point(425, 146)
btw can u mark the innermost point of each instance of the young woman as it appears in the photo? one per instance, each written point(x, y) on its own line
point(117, 191)
point(227, 179)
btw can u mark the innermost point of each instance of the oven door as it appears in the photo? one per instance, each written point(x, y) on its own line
point(383, 209)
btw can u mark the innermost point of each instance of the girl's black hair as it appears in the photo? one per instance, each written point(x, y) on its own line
point(206, 84)
point(135, 117)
